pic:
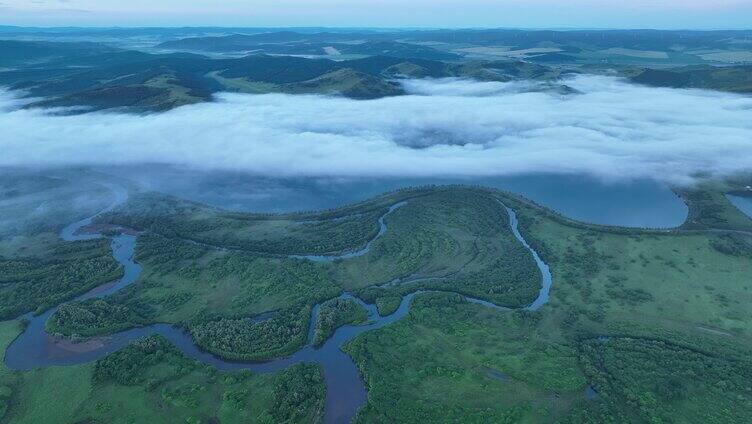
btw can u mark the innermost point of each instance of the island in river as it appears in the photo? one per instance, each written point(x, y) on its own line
point(458, 285)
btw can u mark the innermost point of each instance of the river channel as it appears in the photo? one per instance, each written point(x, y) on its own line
point(345, 390)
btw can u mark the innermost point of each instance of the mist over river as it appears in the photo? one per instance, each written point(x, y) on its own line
point(636, 203)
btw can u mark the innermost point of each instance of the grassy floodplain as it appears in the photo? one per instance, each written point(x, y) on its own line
point(655, 323)
point(37, 269)
point(150, 381)
point(456, 239)
point(641, 326)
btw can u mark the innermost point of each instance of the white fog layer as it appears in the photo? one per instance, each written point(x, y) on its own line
point(611, 130)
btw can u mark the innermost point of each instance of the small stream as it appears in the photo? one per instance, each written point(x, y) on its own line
point(360, 252)
point(345, 390)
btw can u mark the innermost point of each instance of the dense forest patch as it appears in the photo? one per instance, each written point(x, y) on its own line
point(334, 314)
point(37, 283)
point(150, 381)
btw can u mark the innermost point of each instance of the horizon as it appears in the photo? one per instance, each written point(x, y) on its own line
point(372, 211)
point(377, 28)
point(543, 14)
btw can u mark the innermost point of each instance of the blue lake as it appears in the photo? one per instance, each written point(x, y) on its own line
point(743, 203)
point(642, 203)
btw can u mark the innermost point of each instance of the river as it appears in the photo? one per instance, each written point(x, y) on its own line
point(634, 203)
point(345, 390)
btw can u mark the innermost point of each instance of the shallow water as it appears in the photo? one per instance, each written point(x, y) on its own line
point(590, 393)
point(546, 278)
point(744, 204)
point(345, 393)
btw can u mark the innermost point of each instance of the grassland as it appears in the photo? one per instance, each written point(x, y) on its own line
point(203, 276)
point(655, 322)
point(453, 361)
point(35, 284)
point(150, 381)
point(37, 269)
point(442, 363)
point(710, 209)
point(334, 232)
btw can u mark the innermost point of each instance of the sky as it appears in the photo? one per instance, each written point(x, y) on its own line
point(661, 14)
point(445, 127)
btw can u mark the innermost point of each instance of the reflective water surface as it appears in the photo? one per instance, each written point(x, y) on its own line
point(345, 390)
point(743, 203)
point(641, 203)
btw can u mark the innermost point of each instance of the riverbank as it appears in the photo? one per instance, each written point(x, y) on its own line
point(601, 289)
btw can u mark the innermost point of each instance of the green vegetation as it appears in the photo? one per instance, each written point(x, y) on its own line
point(643, 380)
point(335, 313)
point(150, 381)
point(357, 64)
point(212, 294)
point(299, 395)
point(387, 300)
point(36, 284)
point(458, 238)
point(92, 317)
point(710, 209)
point(37, 269)
point(672, 302)
point(655, 321)
point(291, 234)
point(346, 82)
point(453, 239)
point(185, 283)
point(727, 78)
point(680, 279)
point(260, 43)
point(440, 362)
point(8, 379)
point(250, 340)
point(94, 77)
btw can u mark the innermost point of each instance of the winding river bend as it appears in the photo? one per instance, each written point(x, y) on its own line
point(360, 252)
point(345, 390)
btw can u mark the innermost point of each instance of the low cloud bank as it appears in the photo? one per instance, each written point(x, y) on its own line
point(612, 130)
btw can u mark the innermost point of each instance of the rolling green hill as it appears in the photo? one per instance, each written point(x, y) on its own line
point(369, 64)
point(287, 42)
point(95, 77)
point(729, 78)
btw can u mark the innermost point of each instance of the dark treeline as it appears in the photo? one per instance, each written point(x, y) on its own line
point(173, 219)
point(733, 244)
point(249, 340)
point(94, 317)
point(297, 394)
point(70, 269)
point(643, 380)
point(335, 313)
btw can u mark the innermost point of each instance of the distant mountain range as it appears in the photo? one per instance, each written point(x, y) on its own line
point(290, 43)
point(101, 77)
point(726, 78)
point(180, 66)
